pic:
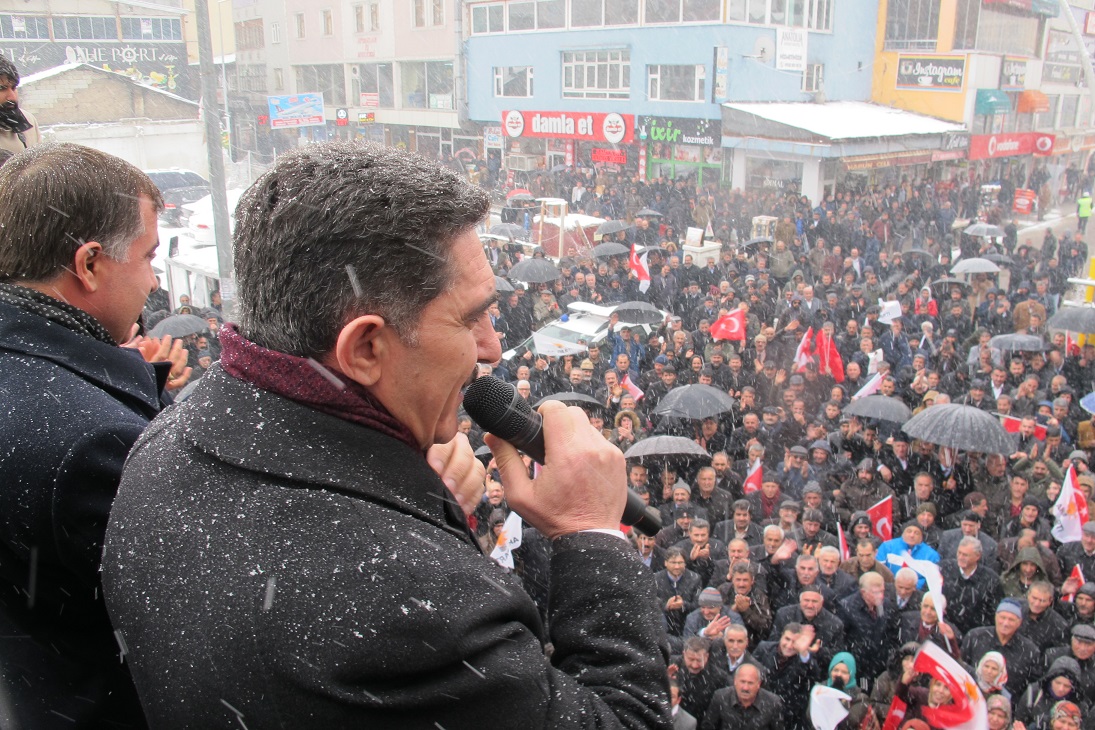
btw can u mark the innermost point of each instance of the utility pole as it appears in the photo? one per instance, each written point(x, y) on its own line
point(211, 115)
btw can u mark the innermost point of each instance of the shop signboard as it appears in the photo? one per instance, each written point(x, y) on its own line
point(1043, 144)
point(991, 146)
point(1013, 74)
point(366, 117)
point(931, 72)
point(162, 65)
point(955, 141)
point(615, 157)
point(719, 89)
point(947, 155)
point(492, 138)
point(676, 130)
point(585, 126)
point(1062, 59)
point(296, 110)
point(369, 99)
point(889, 159)
point(791, 49)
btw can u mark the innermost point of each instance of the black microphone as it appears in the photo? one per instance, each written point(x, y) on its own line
point(496, 406)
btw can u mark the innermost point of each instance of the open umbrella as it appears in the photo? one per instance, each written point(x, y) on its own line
point(664, 446)
point(755, 241)
point(639, 313)
point(519, 198)
point(1018, 343)
point(999, 258)
point(1074, 319)
point(984, 230)
point(610, 248)
point(179, 325)
point(609, 227)
point(518, 192)
point(502, 285)
point(1088, 403)
point(534, 271)
point(509, 230)
point(881, 407)
point(920, 253)
point(695, 402)
point(947, 282)
point(975, 266)
point(649, 213)
point(571, 399)
point(960, 427)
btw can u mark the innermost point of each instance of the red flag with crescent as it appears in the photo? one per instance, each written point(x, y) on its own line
point(729, 326)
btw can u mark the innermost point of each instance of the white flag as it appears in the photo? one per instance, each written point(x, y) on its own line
point(870, 387)
point(508, 541)
point(874, 359)
point(1068, 523)
point(888, 311)
point(931, 574)
point(826, 709)
point(555, 347)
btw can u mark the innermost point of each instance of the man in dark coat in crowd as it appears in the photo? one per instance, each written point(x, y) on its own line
point(289, 547)
point(77, 234)
point(745, 705)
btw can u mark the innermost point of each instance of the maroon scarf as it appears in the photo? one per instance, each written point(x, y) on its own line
point(305, 381)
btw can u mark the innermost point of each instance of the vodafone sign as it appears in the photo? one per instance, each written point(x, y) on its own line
point(589, 126)
point(987, 146)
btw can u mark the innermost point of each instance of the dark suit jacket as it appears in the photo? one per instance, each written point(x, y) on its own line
point(273, 562)
point(72, 408)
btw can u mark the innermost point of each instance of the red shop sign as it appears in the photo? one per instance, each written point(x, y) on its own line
point(617, 157)
point(986, 146)
point(589, 126)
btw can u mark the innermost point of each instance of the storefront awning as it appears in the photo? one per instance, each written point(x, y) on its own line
point(1032, 100)
point(837, 122)
point(991, 101)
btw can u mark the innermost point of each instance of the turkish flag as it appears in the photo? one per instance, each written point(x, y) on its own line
point(1079, 576)
point(844, 552)
point(804, 353)
point(896, 714)
point(881, 515)
point(729, 326)
point(755, 477)
point(1011, 425)
point(968, 711)
point(639, 266)
point(830, 362)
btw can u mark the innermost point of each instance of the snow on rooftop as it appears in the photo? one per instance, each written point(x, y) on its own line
point(56, 70)
point(847, 119)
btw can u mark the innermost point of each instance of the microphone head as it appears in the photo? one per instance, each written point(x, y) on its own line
point(495, 405)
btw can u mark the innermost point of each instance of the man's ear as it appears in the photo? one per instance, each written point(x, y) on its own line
point(85, 266)
point(363, 348)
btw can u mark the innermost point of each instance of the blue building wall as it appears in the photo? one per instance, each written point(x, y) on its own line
point(847, 53)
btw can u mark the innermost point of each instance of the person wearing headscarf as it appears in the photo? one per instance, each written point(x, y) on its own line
point(1065, 716)
point(1060, 683)
point(992, 676)
point(999, 712)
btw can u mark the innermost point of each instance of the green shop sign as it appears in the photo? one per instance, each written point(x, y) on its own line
point(674, 130)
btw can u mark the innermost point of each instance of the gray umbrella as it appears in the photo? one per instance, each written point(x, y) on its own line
point(984, 230)
point(649, 213)
point(179, 325)
point(695, 402)
point(921, 253)
point(639, 313)
point(509, 230)
point(881, 407)
point(572, 399)
point(947, 282)
point(502, 285)
point(534, 271)
point(999, 258)
point(1074, 319)
point(1018, 343)
point(960, 427)
point(610, 248)
point(610, 227)
point(975, 266)
point(666, 446)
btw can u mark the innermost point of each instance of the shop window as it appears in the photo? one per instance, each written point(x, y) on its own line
point(597, 74)
point(513, 81)
point(327, 79)
point(29, 27)
point(376, 81)
point(675, 83)
point(912, 24)
point(426, 85)
point(813, 78)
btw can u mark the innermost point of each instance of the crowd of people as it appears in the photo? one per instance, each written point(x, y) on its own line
point(749, 568)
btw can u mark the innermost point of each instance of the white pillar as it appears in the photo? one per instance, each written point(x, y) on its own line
point(811, 179)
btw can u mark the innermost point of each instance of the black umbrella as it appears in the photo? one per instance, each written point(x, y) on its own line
point(509, 230)
point(1018, 343)
point(502, 285)
point(999, 258)
point(1074, 319)
point(960, 427)
point(610, 227)
point(921, 253)
point(649, 213)
point(534, 271)
point(755, 241)
point(948, 281)
point(975, 266)
point(881, 407)
point(695, 402)
point(664, 446)
point(571, 398)
point(179, 325)
point(984, 230)
point(610, 248)
point(639, 313)
point(520, 198)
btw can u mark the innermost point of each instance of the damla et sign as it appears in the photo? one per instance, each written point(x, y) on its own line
point(587, 126)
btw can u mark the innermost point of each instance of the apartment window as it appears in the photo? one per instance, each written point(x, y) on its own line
point(250, 78)
point(275, 32)
point(597, 74)
point(912, 25)
point(438, 16)
point(488, 19)
point(279, 79)
point(299, 18)
point(675, 83)
point(813, 77)
point(249, 36)
point(328, 22)
point(550, 14)
point(748, 11)
point(428, 12)
point(359, 19)
point(29, 27)
point(820, 15)
point(374, 16)
point(375, 85)
point(326, 79)
point(147, 29)
point(522, 16)
point(594, 13)
point(681, 11)
point(87, 28)
point(1044, 120)
point(426, 84)
point(513, 81)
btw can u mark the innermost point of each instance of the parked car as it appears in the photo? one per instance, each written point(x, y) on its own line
point(178, 187)
point(583, 321)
